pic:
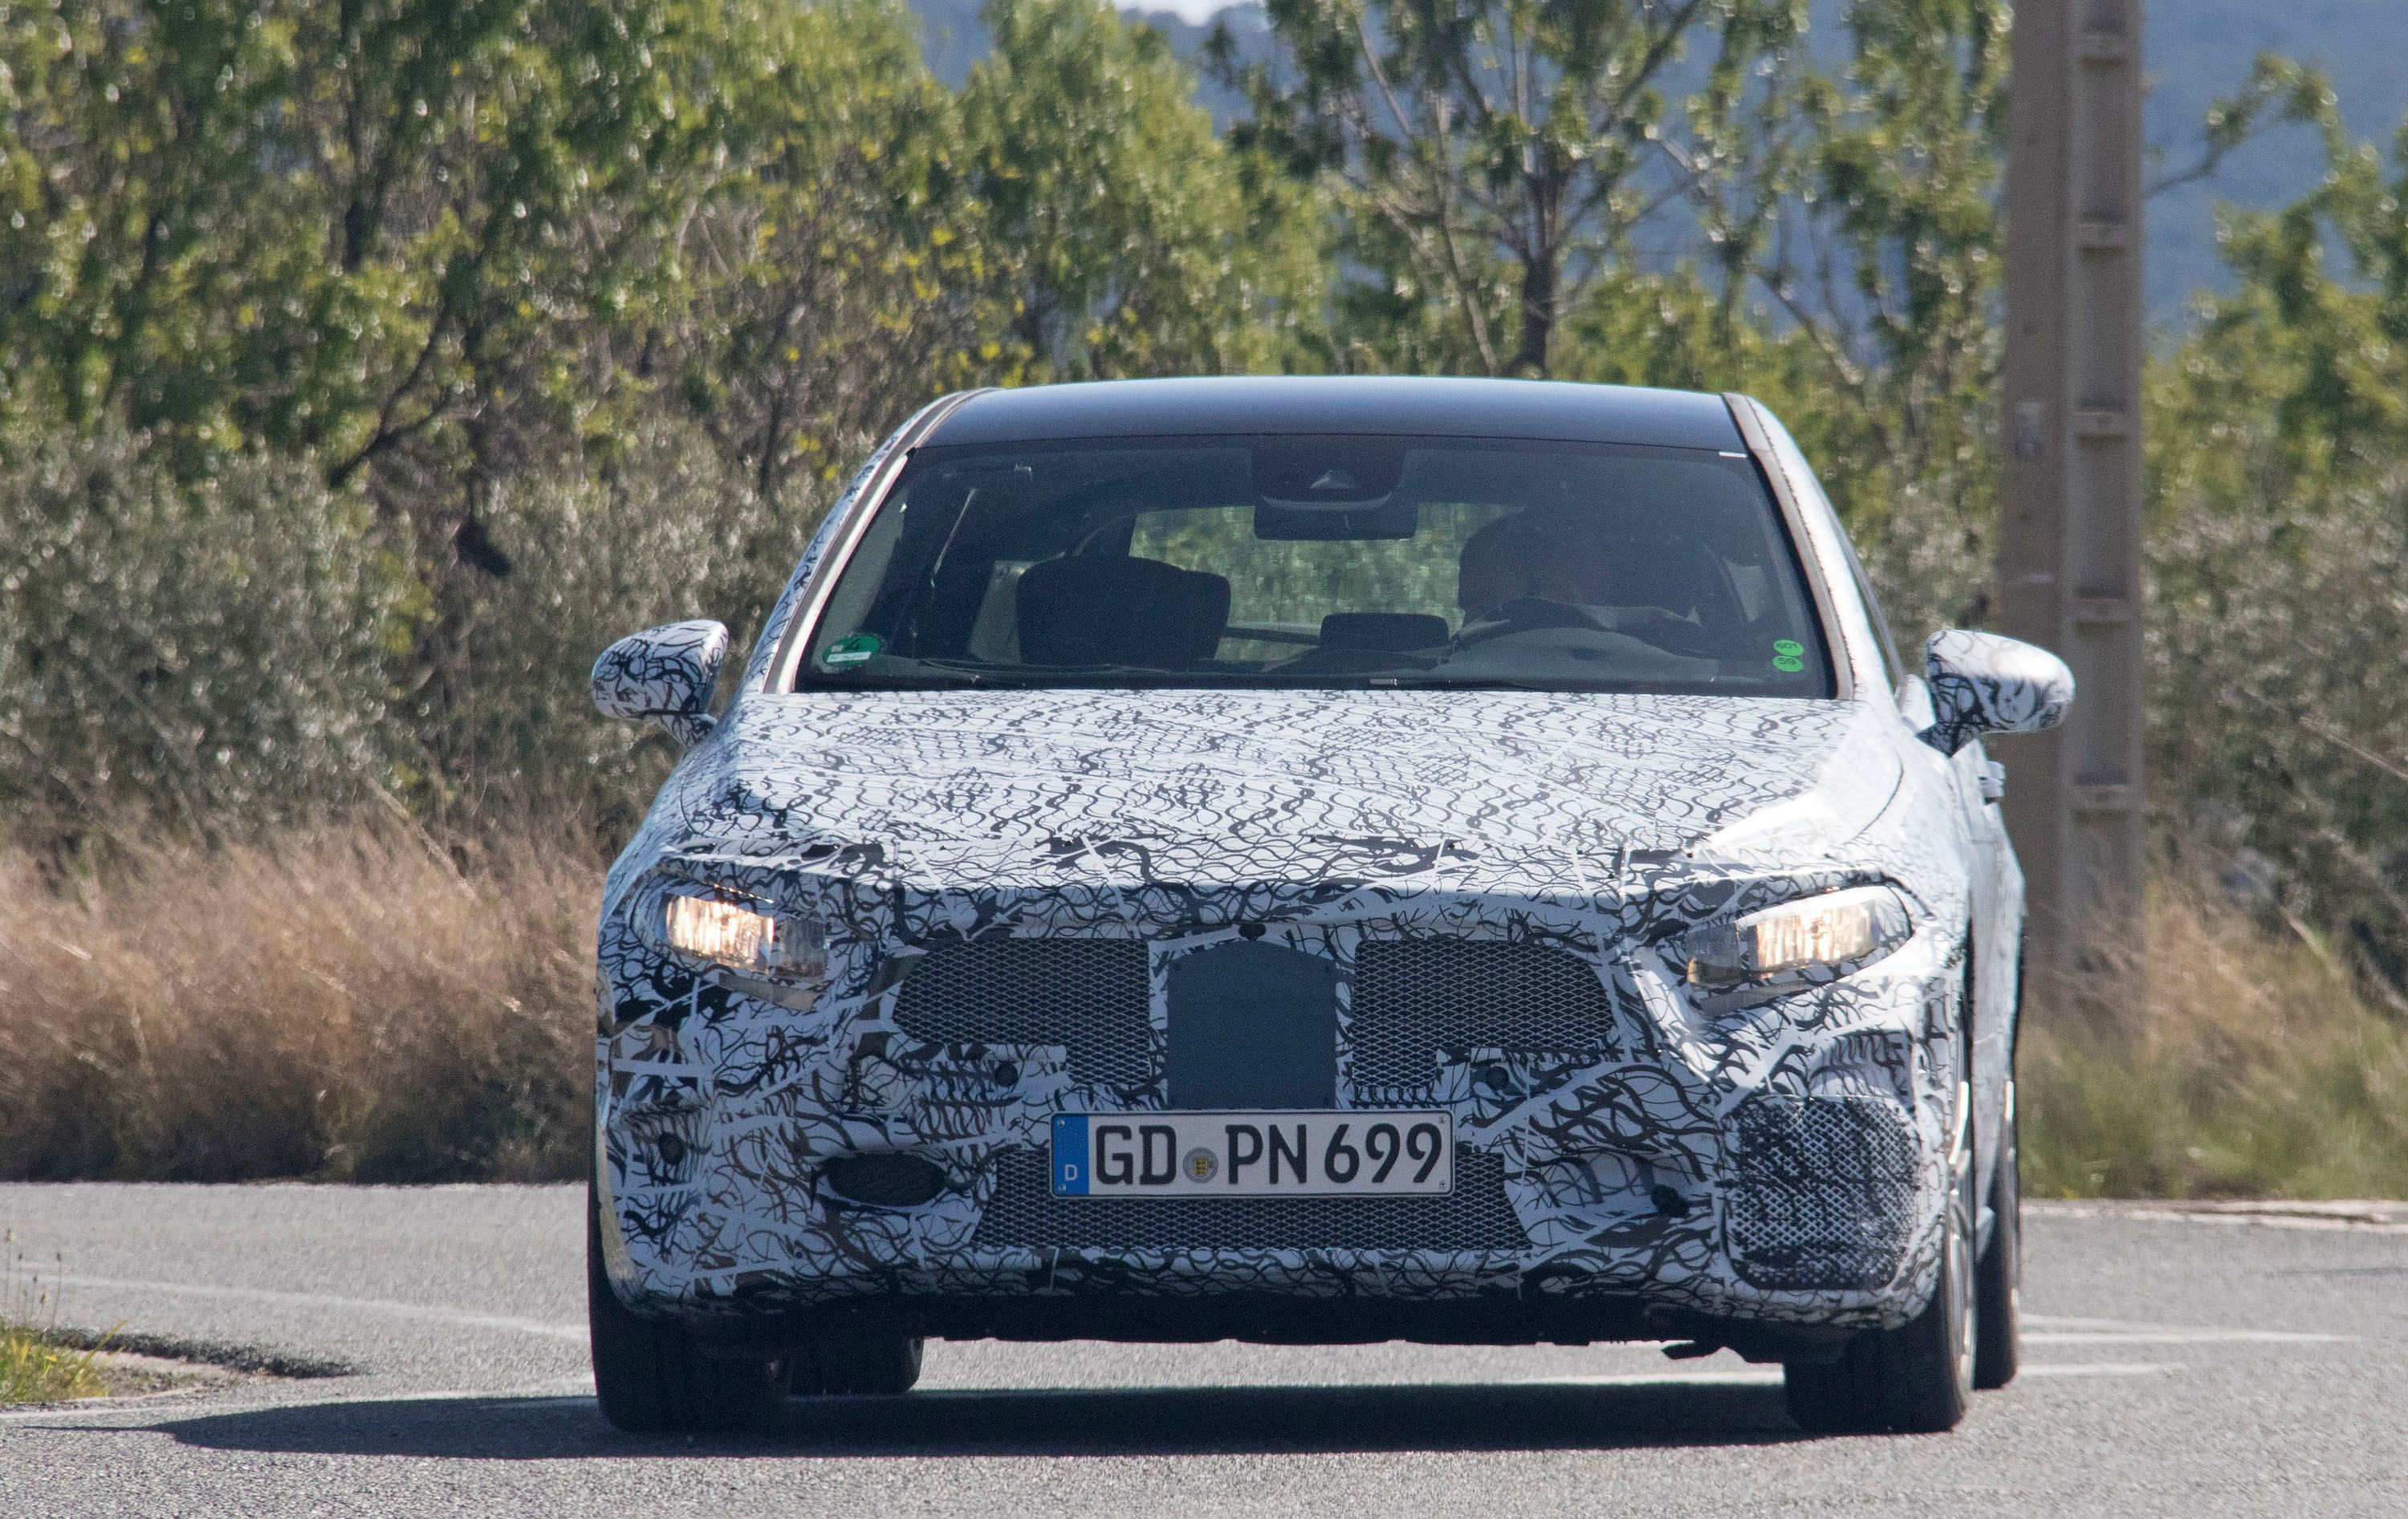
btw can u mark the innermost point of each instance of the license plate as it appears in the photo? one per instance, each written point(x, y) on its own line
point(1253, 1154)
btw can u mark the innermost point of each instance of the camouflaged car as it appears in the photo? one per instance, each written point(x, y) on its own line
point(1314, 861)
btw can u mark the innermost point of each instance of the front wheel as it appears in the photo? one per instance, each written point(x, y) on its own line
point(1997, 1277)
point(652, 1378)
point(1917, 1378)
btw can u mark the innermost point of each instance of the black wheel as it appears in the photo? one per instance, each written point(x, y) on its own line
point(1917, 1378)
point(866, 1365)
point(1999, 1275)
point(650, 1376)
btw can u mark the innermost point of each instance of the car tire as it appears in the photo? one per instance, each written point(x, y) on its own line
point(1917, 1378)
point(866, 1365)
point(1998, 1278)
point(652, 1378)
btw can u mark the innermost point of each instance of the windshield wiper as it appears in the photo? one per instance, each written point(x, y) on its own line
point(1411, 680)
point(913, 675)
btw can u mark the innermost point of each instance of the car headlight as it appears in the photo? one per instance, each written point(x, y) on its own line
point(1796, 945)
point(732, 931)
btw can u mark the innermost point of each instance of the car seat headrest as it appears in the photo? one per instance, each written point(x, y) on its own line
point(1096, 610)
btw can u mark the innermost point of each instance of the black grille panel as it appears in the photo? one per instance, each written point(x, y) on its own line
point(1477, 1215)
point(1088, 994)
point(1824, 1191)
point(1414, 997)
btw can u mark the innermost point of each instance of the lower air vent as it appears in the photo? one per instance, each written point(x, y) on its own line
point(1476, 1216)
point(890, 1180)
point(1824, 1193)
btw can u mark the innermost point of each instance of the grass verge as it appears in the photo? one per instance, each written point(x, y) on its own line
point(2257, 1068)
point(36, 1367)
point(39, 1363)
point(343, 1004)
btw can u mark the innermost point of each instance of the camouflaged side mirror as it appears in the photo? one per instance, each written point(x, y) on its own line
point(665, 673)
point(1982, 682)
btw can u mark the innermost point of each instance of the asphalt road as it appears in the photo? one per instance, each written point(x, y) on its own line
point(2173, 1368)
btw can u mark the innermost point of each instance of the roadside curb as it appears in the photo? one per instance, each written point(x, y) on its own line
point(2368, 1217)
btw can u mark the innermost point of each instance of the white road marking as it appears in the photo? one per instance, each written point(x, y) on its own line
point(2364, 1218)
point(2094, 1369)
point(2175, 1337)
point(2053, 1330)
point(1752, 1377)
point(313, 1300)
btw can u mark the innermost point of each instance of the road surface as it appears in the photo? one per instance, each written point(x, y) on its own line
point(2173, 1367)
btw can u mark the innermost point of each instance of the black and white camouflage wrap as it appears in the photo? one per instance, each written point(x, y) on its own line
point(1982, 682)
point(1603, 826)
point(664, 674)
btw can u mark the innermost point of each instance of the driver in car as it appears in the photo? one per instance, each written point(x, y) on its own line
point(1549, 555)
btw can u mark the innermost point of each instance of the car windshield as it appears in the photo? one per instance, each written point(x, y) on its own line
point(1322, 562)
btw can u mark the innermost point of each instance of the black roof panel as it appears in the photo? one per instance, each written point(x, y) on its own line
point(1345, 403)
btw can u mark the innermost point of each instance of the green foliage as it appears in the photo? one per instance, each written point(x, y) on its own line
point(1493, 156)
point(1146, 245)
point(339, 229)
point(503, 725)
point(212, 650)
point(2278, 549)
point(841, 271)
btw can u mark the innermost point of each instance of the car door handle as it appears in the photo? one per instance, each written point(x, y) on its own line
point(1994, 780)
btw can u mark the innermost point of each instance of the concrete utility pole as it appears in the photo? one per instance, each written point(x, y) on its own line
point(2070, 527)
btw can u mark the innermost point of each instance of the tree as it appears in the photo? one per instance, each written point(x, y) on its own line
point(2278, 546)
point(1143, 244)
point(343, 229)
point(842, 269)
point(1497, 156)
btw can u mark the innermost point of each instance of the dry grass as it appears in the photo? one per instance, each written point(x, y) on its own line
point(357, 1004)
point(2258, 1068)
point(346, 1004)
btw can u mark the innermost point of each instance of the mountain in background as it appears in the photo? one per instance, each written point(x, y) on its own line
point(2197, 50)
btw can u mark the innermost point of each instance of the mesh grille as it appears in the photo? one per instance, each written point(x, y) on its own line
point(1088, 994)
point(1824, 1192)
point(1414, 997)
point(1476, 1216)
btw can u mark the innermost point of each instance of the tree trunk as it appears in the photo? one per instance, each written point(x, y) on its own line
point(1533, 355)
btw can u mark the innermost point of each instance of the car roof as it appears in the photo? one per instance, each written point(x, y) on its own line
point(1391, 405)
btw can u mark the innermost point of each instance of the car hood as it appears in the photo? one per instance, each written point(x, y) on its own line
point(985, 786)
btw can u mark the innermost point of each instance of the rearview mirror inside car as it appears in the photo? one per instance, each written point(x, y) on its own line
point(665, 673)
point(1982, 682)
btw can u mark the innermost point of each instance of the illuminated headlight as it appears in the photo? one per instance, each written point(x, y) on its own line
point(1794, 945)
point(720, 928)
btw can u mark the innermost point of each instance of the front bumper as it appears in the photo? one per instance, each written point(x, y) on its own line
point(1781, 1169)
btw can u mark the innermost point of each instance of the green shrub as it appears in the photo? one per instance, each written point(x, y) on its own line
point(209, 651)
point(670, 531)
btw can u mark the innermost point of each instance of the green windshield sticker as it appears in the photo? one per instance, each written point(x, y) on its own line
point(1789, 665)
point(1786, 656)
point(845, 653)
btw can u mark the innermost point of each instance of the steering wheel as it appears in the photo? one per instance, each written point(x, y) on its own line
point(1524, 614)
point(1674, 635)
